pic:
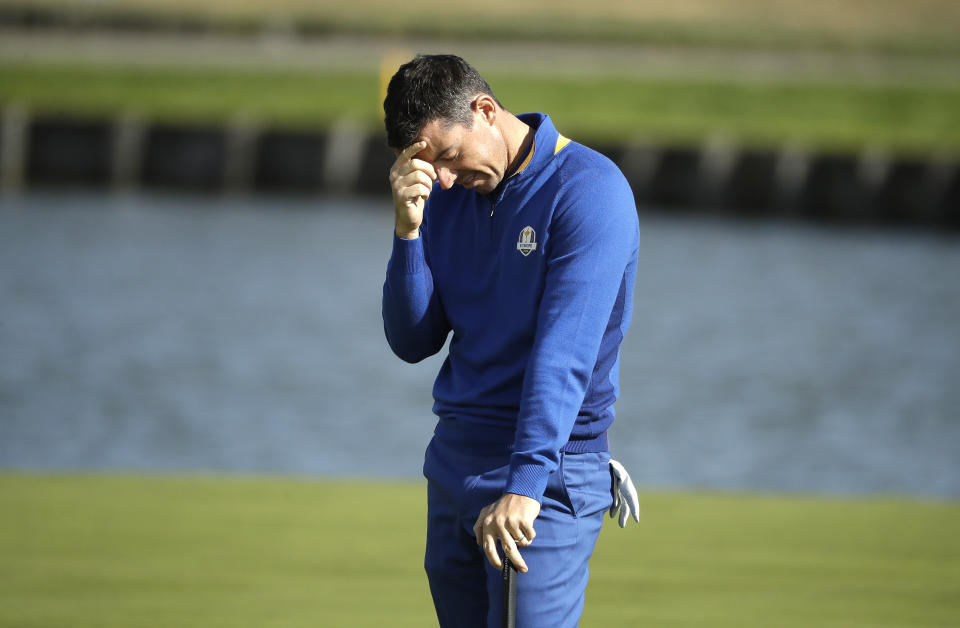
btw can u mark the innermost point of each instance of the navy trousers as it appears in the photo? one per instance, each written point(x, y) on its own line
point(465, 472)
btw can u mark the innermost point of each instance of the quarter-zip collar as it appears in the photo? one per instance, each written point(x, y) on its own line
point(541, 151)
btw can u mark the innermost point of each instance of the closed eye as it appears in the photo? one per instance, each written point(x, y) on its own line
point(448, 156)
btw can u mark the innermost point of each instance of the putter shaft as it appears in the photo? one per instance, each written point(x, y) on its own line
point(509, 580)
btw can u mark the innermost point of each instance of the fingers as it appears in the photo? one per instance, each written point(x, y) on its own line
point(525, 534)
point(424, 166)
point(415, 177)
point(478, 526)
point(510, 551)
point(411, 181)
point(413, 186)
point(486, 535)
point(411, 150)
point(405, 163)
point(490, 549)
point(416, 167)
point(512, 535)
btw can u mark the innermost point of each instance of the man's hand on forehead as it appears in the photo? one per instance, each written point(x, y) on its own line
point(411, 180)
point(413, 158)
point(410, 151)
point(426, 152)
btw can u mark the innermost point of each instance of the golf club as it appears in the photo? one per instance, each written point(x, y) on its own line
point(509, 594)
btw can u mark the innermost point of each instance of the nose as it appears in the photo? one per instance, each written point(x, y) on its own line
point(446, 177)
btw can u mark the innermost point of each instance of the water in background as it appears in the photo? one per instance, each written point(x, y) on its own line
point(179, 333)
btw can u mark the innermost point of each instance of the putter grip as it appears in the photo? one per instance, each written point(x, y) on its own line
point(509, 579)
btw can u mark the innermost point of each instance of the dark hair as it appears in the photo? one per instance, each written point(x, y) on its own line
point(430, 87)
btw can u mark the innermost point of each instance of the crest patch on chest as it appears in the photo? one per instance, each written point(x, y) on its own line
point(528, 241)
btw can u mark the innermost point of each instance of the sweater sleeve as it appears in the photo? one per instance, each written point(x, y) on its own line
point(413, 319)
point(593, 239)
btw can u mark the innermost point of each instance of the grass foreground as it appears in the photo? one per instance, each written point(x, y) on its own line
point(131, 551)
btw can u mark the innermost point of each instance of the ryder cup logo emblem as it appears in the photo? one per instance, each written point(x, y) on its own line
point(528, 241)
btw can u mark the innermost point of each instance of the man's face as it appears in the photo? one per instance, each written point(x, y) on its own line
point(474, 157)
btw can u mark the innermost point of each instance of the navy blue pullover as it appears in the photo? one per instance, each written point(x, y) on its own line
point(536, 283)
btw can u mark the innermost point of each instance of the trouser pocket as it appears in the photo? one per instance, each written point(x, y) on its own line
point(586, 479)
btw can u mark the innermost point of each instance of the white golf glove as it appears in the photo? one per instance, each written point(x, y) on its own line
point(625, 500)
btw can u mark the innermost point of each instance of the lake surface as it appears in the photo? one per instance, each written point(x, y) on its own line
point(244, 335)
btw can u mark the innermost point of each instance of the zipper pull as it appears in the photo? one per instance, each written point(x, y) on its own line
point(493, 205)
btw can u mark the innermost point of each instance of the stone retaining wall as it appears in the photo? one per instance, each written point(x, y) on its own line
point(127, 153)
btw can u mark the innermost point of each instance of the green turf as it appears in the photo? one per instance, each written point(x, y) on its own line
point(185, 94)
point(132, 551)
point(915, 27)
point(826, 115)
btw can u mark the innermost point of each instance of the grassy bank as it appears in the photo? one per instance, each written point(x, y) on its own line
point(919, 118)
point(200, 551)
point(921, 26)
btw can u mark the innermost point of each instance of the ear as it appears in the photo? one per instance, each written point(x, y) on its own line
point(486, 107)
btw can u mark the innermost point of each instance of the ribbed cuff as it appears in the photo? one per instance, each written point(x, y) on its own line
point(529, 480)
point(407, 256)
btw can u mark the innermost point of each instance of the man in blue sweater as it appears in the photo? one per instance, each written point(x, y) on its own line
point(524, 245)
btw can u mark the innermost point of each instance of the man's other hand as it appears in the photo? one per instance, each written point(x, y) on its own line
point(509, 519)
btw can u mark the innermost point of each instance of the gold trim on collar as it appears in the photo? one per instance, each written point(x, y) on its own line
point(526, 162)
